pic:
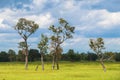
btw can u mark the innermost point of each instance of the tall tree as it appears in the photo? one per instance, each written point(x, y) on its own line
point(43, 46)
point(60, 34)
point(98, 46)
point(25, 28)
point(12, 55)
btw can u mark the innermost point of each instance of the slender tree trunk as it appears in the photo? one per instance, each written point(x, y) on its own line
point(57, 64)
point(53, 64)
point(26, 62)
point(26, 55)
point(42, 61)
point(103, 66)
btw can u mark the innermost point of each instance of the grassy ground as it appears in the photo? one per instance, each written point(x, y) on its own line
point(68, 71)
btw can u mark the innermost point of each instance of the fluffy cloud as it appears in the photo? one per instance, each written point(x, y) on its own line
point(90, 19)
point(44, 20)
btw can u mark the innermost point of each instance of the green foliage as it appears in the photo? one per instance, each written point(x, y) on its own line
point(117, 56)
point(91, 57)
point(20, 56)
point(34, 55)
point(26, 27)
point(97, 46)
point(12, 55)
point(22, 45)
point(60, 34)
point(43, 44)
point(4, 57)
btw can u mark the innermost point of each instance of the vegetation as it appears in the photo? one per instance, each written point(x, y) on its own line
point(60, 34)
point(75, 65)
point(71, 55)
point(69, 71)
point(43, 46)
point(25, 28)
point(98, 46)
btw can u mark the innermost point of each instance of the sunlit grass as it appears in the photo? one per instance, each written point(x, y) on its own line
point(68, 71)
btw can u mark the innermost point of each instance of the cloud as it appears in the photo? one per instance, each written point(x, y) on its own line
point(99, 23)
point(111, 5)
point(91, 19)
point(44, 20)
point(78, 43)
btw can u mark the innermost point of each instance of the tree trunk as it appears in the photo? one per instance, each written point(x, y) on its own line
point(26, 55)
point(42, 61)
point(53, 64)
point(103, 66)
point(26, 62)
point(57, 64)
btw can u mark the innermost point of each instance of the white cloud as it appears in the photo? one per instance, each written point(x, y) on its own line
point(109, 19)
point(44, 20)
point(77, 13)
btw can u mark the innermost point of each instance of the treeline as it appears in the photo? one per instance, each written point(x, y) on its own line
point(34, 55)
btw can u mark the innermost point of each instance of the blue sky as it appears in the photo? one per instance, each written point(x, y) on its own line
point(91, 18)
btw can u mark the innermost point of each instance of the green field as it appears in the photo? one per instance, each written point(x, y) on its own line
point(68, 71)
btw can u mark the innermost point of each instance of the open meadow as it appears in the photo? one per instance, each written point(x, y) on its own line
point(68, 71)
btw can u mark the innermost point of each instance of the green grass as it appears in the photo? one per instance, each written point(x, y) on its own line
point(68, 71)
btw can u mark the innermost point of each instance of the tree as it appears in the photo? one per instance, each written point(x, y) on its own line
point(91, 56)
point(20, 56)
point(60, 34)
point(3, 56)
point(117, 56)
point(98, 46)
point(83, 56)
point(25, 28)
point(71, 55)
point(12, 55)
point(43, 46)
point(34, 55)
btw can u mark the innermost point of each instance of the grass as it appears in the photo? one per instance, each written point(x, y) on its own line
point(68, 71)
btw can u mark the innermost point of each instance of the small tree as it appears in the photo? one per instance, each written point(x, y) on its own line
point(12, 55)
point(43, 49)
point(98, 46)
point(60, 34)
point(25, 28)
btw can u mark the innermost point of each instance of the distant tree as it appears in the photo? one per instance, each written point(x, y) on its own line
point(64, 57)
point(109, 56)
point(12, 55)
point(91, 56)
point(77, 57)
point(20, 56)
point(117, 56)
point(60, 34)
point(34, 55)
point(71, 55)
point(43, 46)
point(25, 28)
point(98, 46)
point(84, 56)
point(4, 56)
point(47, 57)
